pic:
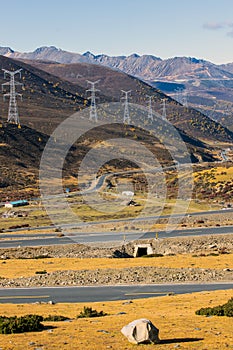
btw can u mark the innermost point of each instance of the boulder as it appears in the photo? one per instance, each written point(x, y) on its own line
point(141, 331)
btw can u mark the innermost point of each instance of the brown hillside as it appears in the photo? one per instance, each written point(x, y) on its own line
point(111, 82)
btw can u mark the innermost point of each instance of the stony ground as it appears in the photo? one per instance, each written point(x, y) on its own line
point(132, 275)
point(197, 244)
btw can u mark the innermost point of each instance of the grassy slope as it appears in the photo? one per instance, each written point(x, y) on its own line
point(173, 315)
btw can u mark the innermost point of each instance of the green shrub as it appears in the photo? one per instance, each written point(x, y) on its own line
point(88, 312)
point(55, 318)
point(155, 255)
point(43, 272)
point(228, 308)
point(220, 310)
point(28, 323)
point(34, 257)
point(42, 257)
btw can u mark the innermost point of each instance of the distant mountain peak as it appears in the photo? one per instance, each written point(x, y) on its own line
point(88, 54)
point(45, 48)
point(4, 50)
point(134, 55)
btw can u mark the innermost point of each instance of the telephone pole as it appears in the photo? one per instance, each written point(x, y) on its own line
point(93, 110)
point(13, 115)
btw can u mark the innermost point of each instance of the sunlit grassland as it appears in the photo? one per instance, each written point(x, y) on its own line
point(173, 315)
point(14, 268)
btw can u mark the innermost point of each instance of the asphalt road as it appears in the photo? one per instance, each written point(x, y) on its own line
point(28, 240)
point(102, 293)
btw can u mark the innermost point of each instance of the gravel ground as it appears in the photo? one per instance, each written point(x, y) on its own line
point(198, 244)
point(133, 275)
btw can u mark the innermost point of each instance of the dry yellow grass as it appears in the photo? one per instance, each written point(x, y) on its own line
point(220, 174)
point(27, 267)
point(173, 315)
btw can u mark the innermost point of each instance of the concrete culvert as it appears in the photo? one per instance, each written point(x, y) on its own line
point(142, 249)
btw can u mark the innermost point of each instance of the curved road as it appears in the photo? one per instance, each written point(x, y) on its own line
point(102, 293)
point(41, 228)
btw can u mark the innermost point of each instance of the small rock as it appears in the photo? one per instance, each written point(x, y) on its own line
point(177, 346)
point(212, 246)
point(50, 302)
point(103, 331)
point(127, 302)
point(31, 343)
point(121, 313)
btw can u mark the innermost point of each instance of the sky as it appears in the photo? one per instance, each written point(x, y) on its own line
point(163, 28)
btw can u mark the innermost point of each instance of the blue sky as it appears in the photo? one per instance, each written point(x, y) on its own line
point(164, 28)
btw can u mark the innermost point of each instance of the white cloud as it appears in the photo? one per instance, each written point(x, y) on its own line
point(213, 25)
point(217, 25)
point(230, 34)
point(220, 25)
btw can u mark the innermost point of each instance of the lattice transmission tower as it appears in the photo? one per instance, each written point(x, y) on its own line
point(164, 110)
point(126, 118)
point(182, 96)
point(13, 115)
point(93, 109)
point(150, 112)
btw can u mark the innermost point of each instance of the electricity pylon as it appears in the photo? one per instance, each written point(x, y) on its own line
point(181, 97)
point(126, 119)
point(13, 115)
point(164, 111)
point(93, 109)
point(150, 112)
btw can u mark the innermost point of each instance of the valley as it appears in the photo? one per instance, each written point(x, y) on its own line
point(115, 192)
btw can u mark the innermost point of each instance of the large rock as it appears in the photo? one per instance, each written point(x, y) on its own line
point(141, 331)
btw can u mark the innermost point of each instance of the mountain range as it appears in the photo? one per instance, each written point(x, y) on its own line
point(148, 67)
point(195, 82)
point(54, 91)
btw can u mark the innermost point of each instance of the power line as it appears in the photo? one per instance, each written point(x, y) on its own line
point(13, 115)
